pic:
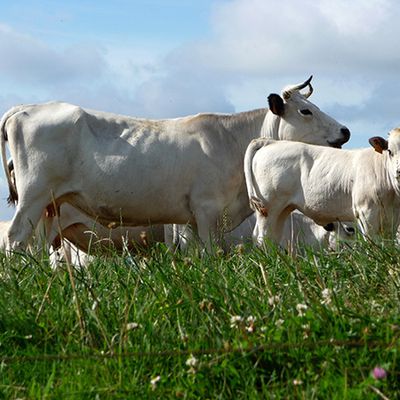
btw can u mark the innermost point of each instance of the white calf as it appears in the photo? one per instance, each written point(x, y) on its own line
point(325, 184)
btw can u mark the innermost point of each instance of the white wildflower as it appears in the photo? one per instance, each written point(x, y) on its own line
point(236, 320)
point(307, 330)
point(301, 308)
point(279, 322)
point(250, 324)
point(192, 361)
point(273, 300)
point(297, 382)
point(130, 326)
point(154, 381)
point(326, 296)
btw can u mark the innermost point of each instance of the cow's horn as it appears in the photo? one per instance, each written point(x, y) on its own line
point(299, 87)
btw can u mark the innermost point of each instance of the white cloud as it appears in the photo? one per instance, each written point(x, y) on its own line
point(268, 37)
point(31, 61)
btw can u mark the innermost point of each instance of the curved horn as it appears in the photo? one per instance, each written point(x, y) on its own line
point(310, 90)
point(288, 91)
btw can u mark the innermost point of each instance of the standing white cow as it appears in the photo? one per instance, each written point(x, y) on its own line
point(325, 184)
point(132, 171)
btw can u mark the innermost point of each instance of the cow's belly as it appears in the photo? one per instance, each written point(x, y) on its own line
point(130, 208)
point(326, 210)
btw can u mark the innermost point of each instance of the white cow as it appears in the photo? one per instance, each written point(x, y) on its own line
point(325, 184)
point(120, 169)
point(70, 232)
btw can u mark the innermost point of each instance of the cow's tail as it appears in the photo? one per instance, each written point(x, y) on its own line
point(256, 144)
point(8, 165)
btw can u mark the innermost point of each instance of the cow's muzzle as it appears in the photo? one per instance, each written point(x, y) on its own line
point(340, 142)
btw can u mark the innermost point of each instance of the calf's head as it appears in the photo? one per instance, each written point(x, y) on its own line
point(390, 150)
point(293, 117)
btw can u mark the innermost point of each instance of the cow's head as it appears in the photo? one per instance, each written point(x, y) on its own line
point(292, 116)
point(390, 150)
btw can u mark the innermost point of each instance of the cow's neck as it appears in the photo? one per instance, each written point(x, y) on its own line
point(270, 128)
point(245, 126)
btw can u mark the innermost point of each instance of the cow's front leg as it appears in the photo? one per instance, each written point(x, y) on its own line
point(207, 227)
point(369, 221)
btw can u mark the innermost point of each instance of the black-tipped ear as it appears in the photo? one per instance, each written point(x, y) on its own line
point(378, 143)
point(276, 104)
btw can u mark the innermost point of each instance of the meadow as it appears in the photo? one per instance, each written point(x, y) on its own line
point(252, 324)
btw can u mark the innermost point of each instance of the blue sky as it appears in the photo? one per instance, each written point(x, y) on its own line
point(169, 58)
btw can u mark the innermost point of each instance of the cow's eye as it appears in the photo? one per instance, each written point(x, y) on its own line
point(305, 111)
point(390, 152)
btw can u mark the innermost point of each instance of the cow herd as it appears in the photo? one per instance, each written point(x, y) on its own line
point(83, 176)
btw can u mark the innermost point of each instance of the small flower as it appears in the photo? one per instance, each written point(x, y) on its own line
point(379, 373)
point(301, 308)
point(307, 330)
point(326, 296)
point(279, 322)
point(297, 382)
point(130, 326)
point(273, 300)
point(236, 320)
point(154, 381)
point(250, 324)
point(192, 361)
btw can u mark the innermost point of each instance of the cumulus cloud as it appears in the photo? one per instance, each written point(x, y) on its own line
point(255, 47)
point(30, 60)
point(266, 37)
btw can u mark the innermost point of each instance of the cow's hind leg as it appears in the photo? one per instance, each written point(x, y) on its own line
point(269, 225)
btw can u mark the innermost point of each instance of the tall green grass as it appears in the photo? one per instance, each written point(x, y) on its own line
point(247, 325)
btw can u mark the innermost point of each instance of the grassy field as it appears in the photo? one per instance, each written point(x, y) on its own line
point(251, 324)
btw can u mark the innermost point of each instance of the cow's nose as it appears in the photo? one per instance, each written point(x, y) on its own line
point(346, 134)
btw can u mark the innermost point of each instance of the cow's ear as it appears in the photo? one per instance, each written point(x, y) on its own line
point(276, 104)
point(378, 143)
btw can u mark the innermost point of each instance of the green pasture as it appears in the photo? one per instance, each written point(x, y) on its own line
point(252, 324)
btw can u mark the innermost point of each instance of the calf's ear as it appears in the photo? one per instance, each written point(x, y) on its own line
point(378, 143)
point(276, 104)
